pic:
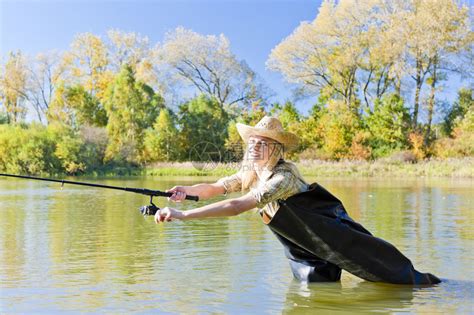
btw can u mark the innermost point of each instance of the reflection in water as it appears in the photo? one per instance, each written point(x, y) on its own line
point(89, 250)
point(356, 296)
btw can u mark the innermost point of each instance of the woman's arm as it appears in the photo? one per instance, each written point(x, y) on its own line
point(224, 208)
point(203, 191)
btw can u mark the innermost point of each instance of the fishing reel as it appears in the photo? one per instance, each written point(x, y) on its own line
point(151, 209)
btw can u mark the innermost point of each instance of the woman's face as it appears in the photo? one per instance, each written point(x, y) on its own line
point(260, 149)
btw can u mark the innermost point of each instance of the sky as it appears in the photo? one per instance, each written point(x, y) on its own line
point(253, 27)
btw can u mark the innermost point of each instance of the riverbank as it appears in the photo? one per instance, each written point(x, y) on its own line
point(457, 168)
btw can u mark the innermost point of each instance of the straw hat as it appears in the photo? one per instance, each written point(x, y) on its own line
point(269, 127)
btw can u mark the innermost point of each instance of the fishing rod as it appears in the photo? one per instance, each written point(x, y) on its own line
point(151, 209)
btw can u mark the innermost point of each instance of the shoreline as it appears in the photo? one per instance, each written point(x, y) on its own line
point(450, 168)
point(462, 168)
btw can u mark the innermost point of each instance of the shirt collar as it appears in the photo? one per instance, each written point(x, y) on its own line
point(266, 173)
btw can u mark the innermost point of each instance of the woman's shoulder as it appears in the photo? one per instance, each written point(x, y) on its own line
point(288, 169)
point(285, 167)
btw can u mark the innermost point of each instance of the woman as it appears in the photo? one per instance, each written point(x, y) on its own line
point(313, 226)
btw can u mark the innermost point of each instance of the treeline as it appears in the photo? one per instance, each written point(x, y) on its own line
point(376, 68)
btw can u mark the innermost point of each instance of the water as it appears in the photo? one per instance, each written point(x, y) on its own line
point(84, 249)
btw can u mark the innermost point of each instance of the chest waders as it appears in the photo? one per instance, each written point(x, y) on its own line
point(320, 239)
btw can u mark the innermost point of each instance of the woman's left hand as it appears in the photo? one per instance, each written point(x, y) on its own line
point(168, 214)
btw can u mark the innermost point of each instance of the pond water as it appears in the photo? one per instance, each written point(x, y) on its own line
point(81, 249)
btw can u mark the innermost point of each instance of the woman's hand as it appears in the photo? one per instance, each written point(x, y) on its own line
point(179, 193)
point(168, 214)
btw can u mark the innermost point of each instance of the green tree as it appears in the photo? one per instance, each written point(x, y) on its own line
point(458, 110)
point(159, 140)
point(132, 107)
point(310, 132)
point(339, 126)
point(388, 125)
point(460, 140)
point(88, 109)
point(288, 114)
point(77, 107)
point(202, 120)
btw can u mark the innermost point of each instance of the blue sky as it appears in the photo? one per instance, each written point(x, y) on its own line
point(253, 27)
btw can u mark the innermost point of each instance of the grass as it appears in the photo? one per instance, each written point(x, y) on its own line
point(459, 168)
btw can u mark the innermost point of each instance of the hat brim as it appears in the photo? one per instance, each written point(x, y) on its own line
point(288, 139)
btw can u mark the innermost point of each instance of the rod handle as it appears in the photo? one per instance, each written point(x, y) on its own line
point(189, 197)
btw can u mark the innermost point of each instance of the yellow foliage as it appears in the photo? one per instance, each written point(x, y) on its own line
point(359, 150)
point(416, 141)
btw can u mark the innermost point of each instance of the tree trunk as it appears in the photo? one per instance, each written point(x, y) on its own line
point(398, 86)
point(431, 102)
point(419, 83)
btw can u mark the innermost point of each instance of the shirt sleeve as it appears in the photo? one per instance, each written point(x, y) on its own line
point(231, 183)
point(279, 186)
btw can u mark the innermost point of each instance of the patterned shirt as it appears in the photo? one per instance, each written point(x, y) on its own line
point(280, 183)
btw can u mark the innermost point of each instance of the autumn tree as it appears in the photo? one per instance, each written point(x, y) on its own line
point(323, 56)
point(132, 49)
point(88, 64)
point(434, 32)
point(13, 86)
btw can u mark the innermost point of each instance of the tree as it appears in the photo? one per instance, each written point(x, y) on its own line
point(435, 32)
point(87, 107)
point(203, 124)
point(131, 107)
point(458, 110)
point(13, 86)
point(323, 56)
point(88, 64)
point(133, 50)
point(388, 125)
point(339, 126)
point(461, 138)
point(45, 73)
point(159, 140)
point(76, 107)
point(207, 64)
point(127, 49)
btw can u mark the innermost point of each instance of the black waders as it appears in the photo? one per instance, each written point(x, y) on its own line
point(320, 238)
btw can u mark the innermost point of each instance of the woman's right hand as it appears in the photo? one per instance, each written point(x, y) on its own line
point(179, 193)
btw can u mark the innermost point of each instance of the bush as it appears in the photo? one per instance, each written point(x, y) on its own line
point(55, 149)
point(27, 150)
